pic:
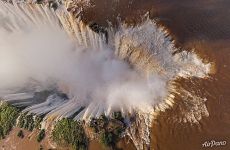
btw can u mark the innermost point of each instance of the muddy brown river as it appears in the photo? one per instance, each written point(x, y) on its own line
point(202, 25)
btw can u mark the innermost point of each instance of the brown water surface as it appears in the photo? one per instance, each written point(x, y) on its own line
point(29, 142)
point(200, 24)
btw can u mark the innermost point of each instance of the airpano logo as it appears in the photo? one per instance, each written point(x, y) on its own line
point(214, 143)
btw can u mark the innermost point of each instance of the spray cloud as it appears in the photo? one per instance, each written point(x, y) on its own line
point(41, 56)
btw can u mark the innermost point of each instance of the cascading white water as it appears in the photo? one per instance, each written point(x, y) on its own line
point(46, 50)
point(78, 63)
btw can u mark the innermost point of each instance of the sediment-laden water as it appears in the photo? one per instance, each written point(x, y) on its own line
point(201, 110)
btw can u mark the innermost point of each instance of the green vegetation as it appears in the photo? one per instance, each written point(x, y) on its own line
point(20, 134)
point(110, 138)
point(107, 138)
point(118, 116)
point(37, 122)
point(109, 129)
point(29, 121)
point(8, 116)
point(69, 132)
point(97, 124)
point(66, 132)
point(41, 135)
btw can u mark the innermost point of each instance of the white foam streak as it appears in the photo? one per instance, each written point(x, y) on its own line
point(52, 102)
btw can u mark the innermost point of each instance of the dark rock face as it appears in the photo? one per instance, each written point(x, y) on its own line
point(99, 29)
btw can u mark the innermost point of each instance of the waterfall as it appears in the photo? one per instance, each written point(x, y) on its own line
point(47, 50)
